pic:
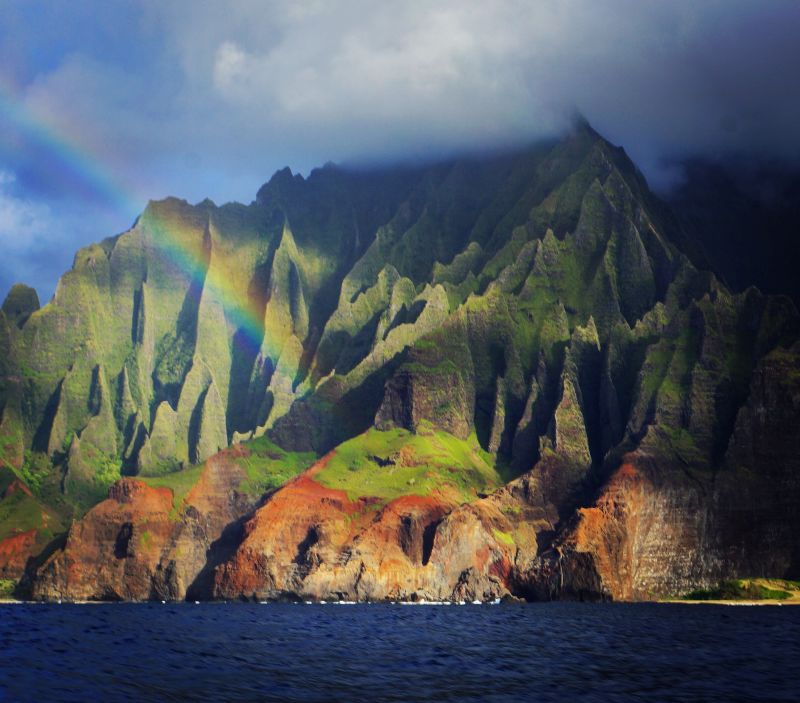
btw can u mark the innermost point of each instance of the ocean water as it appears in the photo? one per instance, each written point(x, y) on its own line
point(536, 652)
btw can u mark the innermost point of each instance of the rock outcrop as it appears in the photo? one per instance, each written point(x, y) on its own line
point(309, 541)
point(145, 542)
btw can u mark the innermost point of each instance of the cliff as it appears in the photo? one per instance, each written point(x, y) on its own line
point(498, 375)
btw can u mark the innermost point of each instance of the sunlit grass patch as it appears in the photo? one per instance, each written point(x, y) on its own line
point(388, 464)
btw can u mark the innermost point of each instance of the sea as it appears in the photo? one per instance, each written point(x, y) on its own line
point(384, 652)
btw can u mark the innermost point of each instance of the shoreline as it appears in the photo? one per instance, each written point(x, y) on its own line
point(746, 603)
point(766, 601)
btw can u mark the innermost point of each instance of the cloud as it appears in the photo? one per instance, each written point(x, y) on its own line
point(230, 68)
point(23, 223)
point(247, 86)
point(354, 79)
point(196, 98)
point(26, 227)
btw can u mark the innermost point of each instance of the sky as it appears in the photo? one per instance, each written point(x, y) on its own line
point(104, 105)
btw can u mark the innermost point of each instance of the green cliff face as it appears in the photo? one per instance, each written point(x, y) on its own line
point(539, 304)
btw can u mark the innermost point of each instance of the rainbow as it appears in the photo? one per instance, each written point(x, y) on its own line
point(65, 149)
point(185, 252)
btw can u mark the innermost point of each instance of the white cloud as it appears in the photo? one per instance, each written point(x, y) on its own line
point(230, 68)
point(27, 230)
point(24, 224)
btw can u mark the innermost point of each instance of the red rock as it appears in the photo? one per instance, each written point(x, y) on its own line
point(136, 546)
point(15, 551)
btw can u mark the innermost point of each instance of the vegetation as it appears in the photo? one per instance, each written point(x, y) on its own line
point(748, 589)
point(388, 464)
point(503, 537)
point(7, 587)
point(90, 475)
point(19, 513)
point(22, 512)
point(34, 470)
point(268, 466)
point(179, 482)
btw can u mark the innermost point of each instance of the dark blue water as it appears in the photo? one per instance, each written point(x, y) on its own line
point(548, 652)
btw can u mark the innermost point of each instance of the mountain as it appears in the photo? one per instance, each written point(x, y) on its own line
point(503, 375)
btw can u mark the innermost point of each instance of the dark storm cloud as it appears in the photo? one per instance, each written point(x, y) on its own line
point(666, 79)
point(204, 98)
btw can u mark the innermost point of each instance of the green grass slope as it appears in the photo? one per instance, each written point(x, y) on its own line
point(388, 464)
